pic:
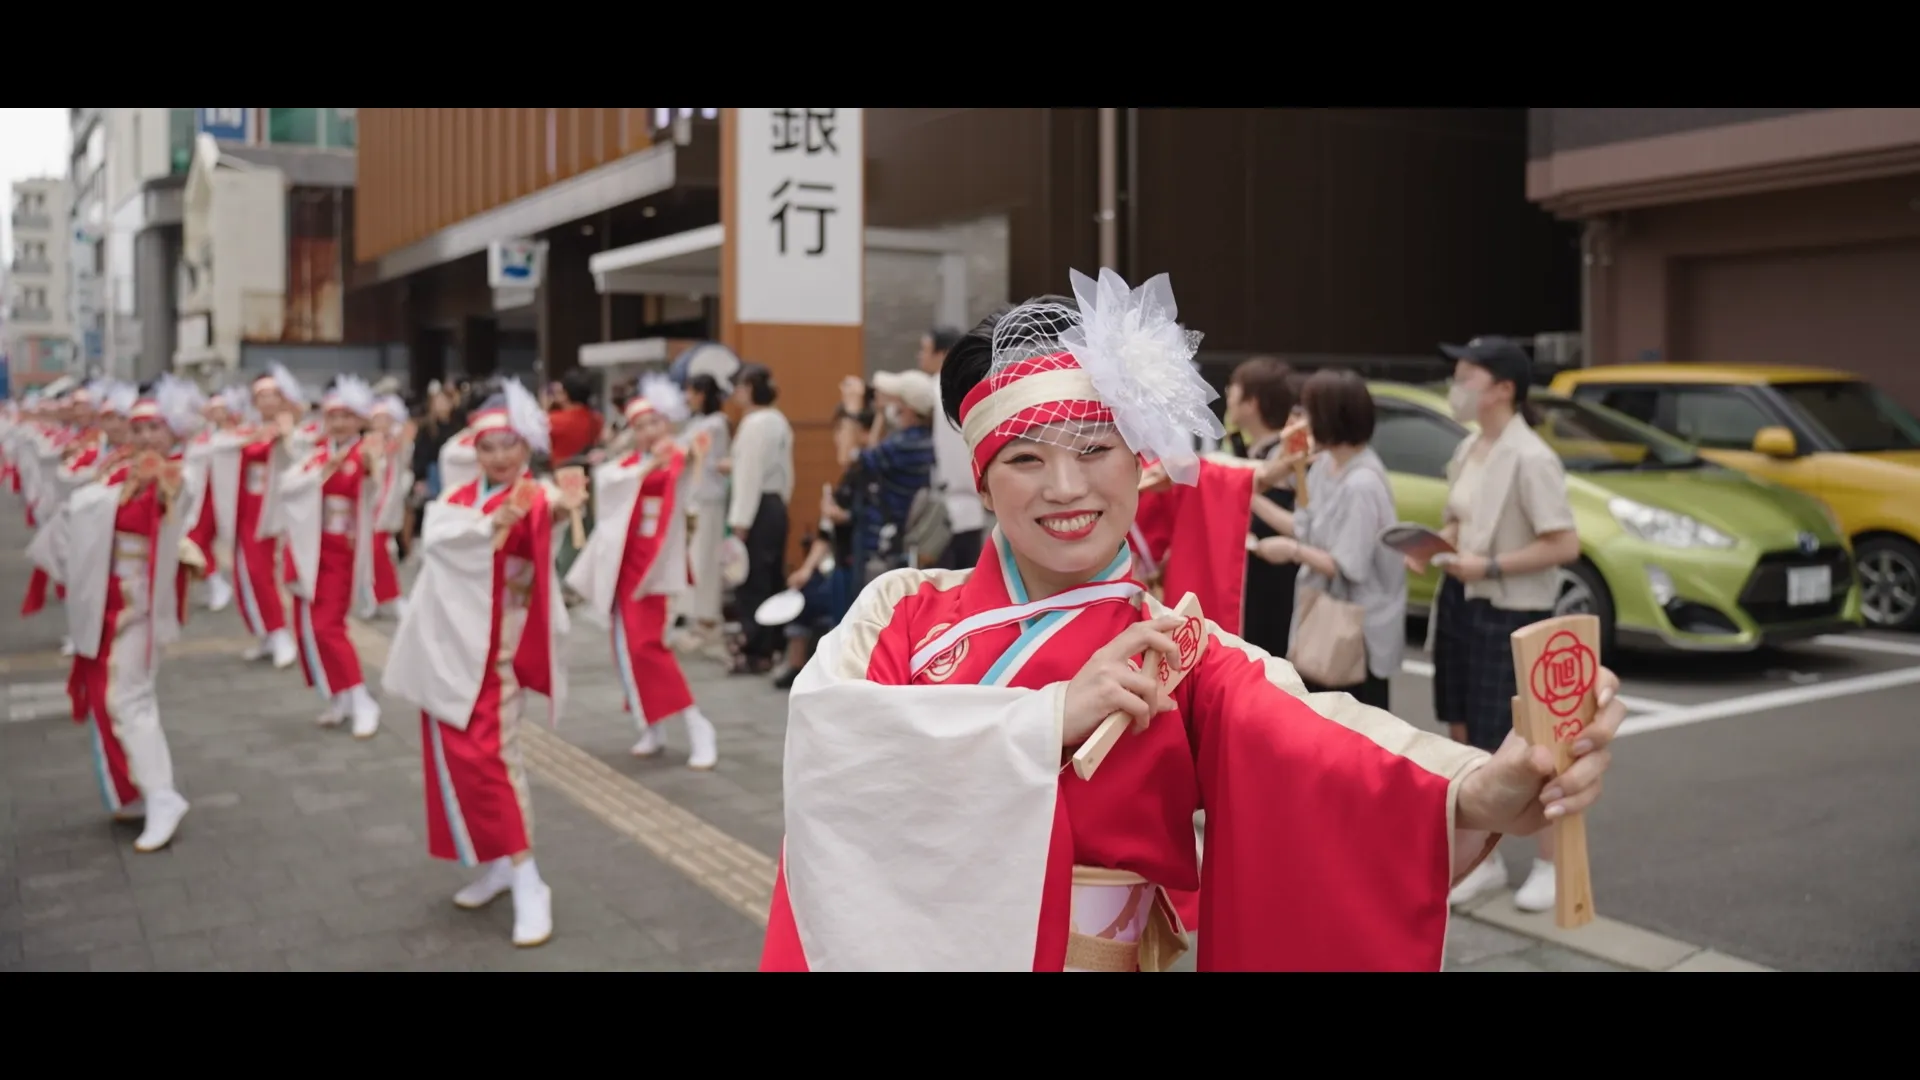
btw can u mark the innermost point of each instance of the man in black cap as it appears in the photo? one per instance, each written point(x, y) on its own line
point(1500, 357)
point(1508, 518)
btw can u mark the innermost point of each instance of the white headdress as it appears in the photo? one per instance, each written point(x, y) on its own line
point(284, 382)
point(526, 416)
point(180, 403)
point(1118, 360)
point(238, 401)
point(658, 394)
point(121, 398)
point(350, 392)
point(394, 407)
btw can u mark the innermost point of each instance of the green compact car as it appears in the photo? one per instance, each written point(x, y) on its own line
point(1676, 553)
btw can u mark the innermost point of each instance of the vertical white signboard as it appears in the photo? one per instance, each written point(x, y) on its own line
point(801, 214)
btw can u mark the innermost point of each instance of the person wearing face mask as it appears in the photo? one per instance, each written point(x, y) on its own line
point(1508, 518)
point(895, 469)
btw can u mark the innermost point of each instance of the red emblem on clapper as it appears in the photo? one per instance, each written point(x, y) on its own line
point(1561, 679)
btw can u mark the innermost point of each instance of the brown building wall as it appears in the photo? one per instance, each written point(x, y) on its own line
point(1317, 231)
point(421, 170)
point(1552, 131)
point(1826, 276)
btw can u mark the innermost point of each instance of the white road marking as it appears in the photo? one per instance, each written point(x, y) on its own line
point(27, 702)
point(1772, 699)
point(1422, 669)
point(1859, 643)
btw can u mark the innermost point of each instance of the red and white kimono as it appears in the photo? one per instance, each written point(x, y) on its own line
point(389, 516)
point(125, 600)
point(1196, 537)
point(483, 627)
point(633, 565)
point(214, 458)
point(80, 465)
point(326, 505)
point(932, 824)
point(258, 567)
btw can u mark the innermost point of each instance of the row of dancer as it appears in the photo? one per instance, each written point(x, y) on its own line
point(305, 503)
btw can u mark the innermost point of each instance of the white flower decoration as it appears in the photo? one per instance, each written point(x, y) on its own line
point(1141, 361)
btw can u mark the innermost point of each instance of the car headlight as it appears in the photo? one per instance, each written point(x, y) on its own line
point(1665, 527)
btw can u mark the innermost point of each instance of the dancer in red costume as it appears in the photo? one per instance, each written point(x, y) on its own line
point(932, 823)
point(126, 572)
point(394, 433)
point(326, 508)
point(636, 561)
point(483, 629)
point(272, 444)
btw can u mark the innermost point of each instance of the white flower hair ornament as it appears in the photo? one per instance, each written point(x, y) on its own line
point(526, 416)
point(288, 386)
point(180, 403)
point(394, 406)
point(1140, 360)
point(122, 398)
point(665, 397)
point(351, 392)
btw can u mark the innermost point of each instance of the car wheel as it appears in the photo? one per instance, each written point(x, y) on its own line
point(1889, 569)
point(1584, 592)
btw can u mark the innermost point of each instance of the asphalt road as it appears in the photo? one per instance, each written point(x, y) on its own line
point(1772, 812)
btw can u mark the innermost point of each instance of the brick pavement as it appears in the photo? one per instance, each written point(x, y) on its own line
point(304, 849)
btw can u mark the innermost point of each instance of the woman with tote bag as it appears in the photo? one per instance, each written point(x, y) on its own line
point(1350, 598)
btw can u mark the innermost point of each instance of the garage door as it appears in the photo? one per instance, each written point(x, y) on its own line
point(1854, 308)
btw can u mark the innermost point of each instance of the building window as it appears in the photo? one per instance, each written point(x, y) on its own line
point(340, 124)
point(297, 127)
point(180, 129)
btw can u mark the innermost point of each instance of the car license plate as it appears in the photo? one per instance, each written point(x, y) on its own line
point(1809, 585)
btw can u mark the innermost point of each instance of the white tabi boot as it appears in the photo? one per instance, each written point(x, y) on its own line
point(164, 811)
point(219, 593)
point(338, 709)
point(285, 652)
point(365, 711)
point(532, 907)
point(486, 888)
point(650, 743)
point(259, 650)
point(397, 608)
point(66, 645)
point(706, 751)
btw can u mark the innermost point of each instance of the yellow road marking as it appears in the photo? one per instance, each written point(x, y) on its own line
point(724, 866)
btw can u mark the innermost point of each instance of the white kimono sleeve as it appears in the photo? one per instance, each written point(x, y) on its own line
point(919, 818)
point(439, 652)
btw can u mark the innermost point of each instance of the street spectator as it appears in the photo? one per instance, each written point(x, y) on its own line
point(1334, 540)
point(576, 424)
point(894, 469)
point(1260, 399)
point(707, 499)
point(761, 467)
point(953, 465)
point(1508, 518)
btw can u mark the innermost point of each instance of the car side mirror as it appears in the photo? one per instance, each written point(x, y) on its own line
point(1775, 442)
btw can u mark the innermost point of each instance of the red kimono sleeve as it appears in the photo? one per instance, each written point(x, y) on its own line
point(1202, 531)
point(1329, 838)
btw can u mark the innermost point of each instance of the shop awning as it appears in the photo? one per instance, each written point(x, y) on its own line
point(684, 264)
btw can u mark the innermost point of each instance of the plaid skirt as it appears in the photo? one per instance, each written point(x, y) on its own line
point(1473, 681)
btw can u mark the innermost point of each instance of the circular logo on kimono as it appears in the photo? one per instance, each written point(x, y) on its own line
point(348, 468)
point(1564, 673)
point(1187, 637)
point(942, 667)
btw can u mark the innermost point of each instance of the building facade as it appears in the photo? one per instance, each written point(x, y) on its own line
point(87, 233)
point(148, 154)
point(1743, 235)
point(38, 328)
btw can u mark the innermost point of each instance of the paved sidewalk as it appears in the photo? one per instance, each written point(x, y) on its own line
point(304, 848)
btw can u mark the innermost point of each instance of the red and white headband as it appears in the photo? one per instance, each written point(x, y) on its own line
point(1025, 395)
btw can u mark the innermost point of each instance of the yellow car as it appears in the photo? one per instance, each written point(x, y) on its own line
point(1827, 433)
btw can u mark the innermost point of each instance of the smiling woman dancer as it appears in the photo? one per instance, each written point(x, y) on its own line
point(932, 823)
